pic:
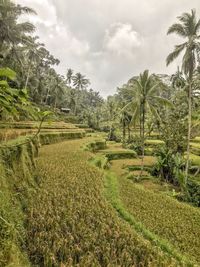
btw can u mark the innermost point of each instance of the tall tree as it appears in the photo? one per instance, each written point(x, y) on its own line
point(145, 96)
point(80, 82)
point(11, 31)
point(69, 76)
point(189, 29)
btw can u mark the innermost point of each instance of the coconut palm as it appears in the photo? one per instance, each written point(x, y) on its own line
point(124, 119)
point(79, 81)
point(145, 96)
point(11, 31)
point(69, 76)
point(32, 55)
point(178, 80)
point(189, 29)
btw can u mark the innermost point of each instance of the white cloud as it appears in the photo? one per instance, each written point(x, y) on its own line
point(109, 41)
point(122, 39)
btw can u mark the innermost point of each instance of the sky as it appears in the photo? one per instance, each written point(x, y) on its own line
point(109, 41)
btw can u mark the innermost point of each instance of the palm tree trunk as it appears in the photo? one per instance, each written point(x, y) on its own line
point(75, 108)
point(143, 131)
point(27, 77)
point(129, 132)
point(189, 130)
point(55, 104)
point(140, 122)
point(124, 131)
point(46, 99)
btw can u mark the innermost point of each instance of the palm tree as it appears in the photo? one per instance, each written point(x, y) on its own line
point(69, 76)
point(79, 81)
point(144, 93)
point(32, 54)
point(178, 80)
point(189, 29)
point(11, 31)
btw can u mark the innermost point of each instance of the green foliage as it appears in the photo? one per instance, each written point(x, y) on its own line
point(12, 101)
point(101, 162)
point(174, 124)
point(169, 166)
point(17, 182)
point(135, 143)
point(192, 195)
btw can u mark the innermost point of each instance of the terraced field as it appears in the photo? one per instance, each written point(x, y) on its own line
point(79, 215)
point(175, 224)
point(9, 131)
point(70, 223)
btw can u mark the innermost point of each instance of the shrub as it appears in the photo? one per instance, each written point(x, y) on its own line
point(169, 166)
point(135, 143)
point(101, 162)
point(192, 194)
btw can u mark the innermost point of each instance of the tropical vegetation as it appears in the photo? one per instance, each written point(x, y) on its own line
point(92, 181)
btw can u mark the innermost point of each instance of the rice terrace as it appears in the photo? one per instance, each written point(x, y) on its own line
point(99, 133)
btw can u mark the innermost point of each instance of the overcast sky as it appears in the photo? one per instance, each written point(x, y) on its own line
point(109, 41)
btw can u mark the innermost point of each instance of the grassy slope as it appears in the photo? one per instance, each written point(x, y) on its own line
point(176, 222)
point(71, 222)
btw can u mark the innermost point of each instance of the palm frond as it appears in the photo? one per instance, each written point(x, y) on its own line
point(178, 49)
point(135, 116)
point(25, 27)
point(25, 10)
point(197, 27)
point(189, 61)
point(178, 29)
point(163, 101)
point(154, 112)
point(153, 89)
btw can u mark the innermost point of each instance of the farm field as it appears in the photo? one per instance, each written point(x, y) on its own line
point(178, 223)
point(71, 212)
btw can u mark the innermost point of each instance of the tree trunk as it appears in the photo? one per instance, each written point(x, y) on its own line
point(46, 99)
point(124, 131)
point(140, 122)
point(143, 132)
point(129, 132)
point(189, 130)
point(27, 77)
point(55, 104)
